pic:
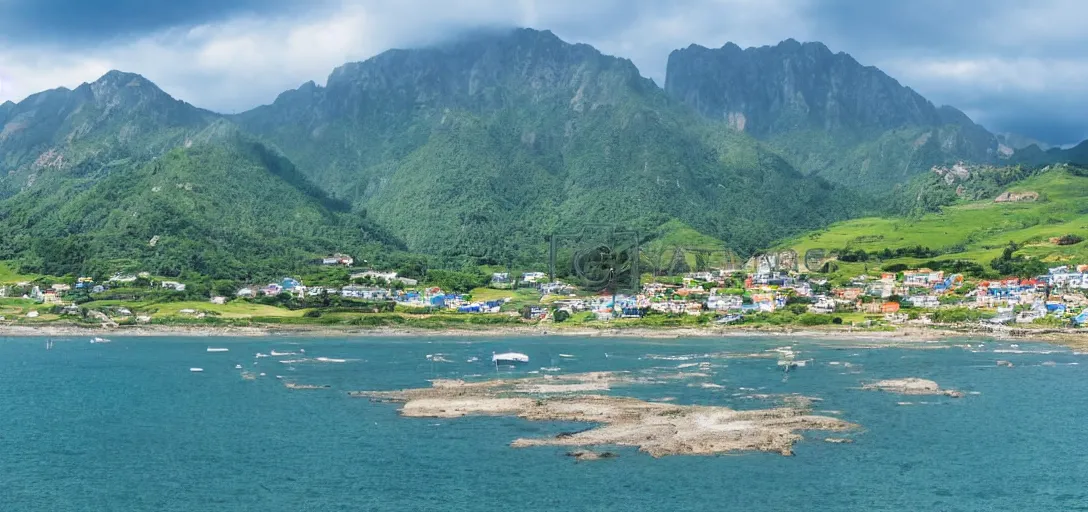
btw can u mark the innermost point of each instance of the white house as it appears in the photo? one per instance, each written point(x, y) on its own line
point(173, 285)
point(388, 277)
point(724, 302)
point(364, 292)
point(533, 277)
point(338, 259)
point(924, 301)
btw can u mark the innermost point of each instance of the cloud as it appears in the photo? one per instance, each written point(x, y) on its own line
point(1014, 66)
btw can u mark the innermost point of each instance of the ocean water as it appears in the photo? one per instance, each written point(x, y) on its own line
point(126, 426)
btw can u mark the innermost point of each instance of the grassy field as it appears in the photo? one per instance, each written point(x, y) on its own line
point(976, 231)
point(231, 310)
point(8, 274)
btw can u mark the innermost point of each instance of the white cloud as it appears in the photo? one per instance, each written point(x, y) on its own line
point(994, 74)
point(240, 63)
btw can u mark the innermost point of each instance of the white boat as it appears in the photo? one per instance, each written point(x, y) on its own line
point(509, 358)
point(277, 354)
point(211, 349)
point(196, 370)
point(237, 367)
point(99, 340)
point(566, 355)
point(49, 344)
point(260, 355)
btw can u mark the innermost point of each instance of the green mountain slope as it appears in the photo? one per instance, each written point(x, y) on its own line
point(483, 146)
point(826, 113)
point(92, 175)
point(979, 211)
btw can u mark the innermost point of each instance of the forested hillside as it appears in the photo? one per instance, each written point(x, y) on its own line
point(471, 152)
point(484, 146)
point(116, 175)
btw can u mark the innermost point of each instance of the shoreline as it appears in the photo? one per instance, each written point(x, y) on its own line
point(912, 334)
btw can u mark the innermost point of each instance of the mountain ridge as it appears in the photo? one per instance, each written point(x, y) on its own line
point(473, 151)
point(829, 114)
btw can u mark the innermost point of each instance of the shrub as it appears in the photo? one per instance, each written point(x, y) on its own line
point(814, 319)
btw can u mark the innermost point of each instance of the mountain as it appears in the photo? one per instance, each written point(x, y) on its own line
point(826, 113)
point(119, 115)
point(117, 175)
point(1034, 155)
point(485, 145)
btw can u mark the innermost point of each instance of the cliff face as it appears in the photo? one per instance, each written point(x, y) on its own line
point(828, 113)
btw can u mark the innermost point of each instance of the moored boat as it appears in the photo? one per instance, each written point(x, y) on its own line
point(509, 358)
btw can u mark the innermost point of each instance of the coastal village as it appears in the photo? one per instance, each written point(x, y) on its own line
point(724, 297)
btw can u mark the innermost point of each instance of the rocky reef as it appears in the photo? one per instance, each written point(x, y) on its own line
point(656, 428)
point(911, 386)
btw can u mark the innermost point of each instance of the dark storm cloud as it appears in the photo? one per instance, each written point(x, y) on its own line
point(65, 22)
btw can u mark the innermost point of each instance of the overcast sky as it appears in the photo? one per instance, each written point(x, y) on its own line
point(1014, 66)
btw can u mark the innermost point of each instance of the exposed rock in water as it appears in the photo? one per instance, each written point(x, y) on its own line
point(656, 428)
point(911, 386)
point(1005, 363)
point(838, 440)
point(591, 455)
point(292, 385)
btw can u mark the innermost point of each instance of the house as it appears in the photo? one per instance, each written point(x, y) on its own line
point(534, 312)
point(387, 277)
point(122, 278)
point(272, 289)
point(219, 300)
point(364, 293)
point(924, 301)
point(724, 302)
point(889, 308)
point(84, 282)
point(533, 277)
point(924, 278)
point(338, 259)
point(1082, 318)
point(823, 305)
point(849, 294)
point(556, 288)
point(288, 284)
point(173, 285)
point(61, 287)
point(500, 278)
point(51, 297)
point(98, 288)
point(124, 312)
point(246, 293)
point(1037, 311)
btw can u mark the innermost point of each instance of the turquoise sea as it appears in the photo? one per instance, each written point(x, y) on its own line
point(126, 426)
